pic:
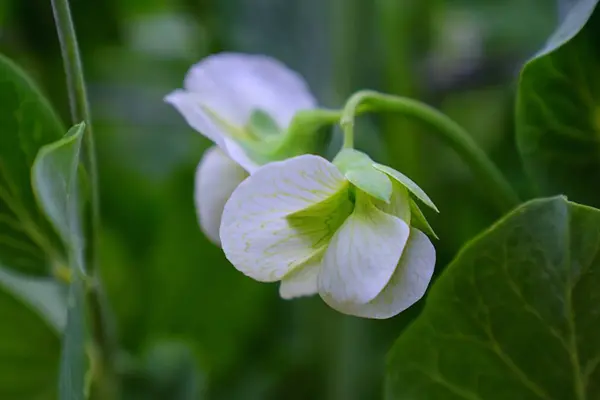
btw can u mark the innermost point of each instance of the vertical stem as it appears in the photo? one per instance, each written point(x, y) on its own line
point(79, 105)
point(80, 111)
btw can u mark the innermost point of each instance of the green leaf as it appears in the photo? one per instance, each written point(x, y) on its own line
point(27, 122)
point(514, 316)
point(33, 314)
point(55, 180)
point(558, 108)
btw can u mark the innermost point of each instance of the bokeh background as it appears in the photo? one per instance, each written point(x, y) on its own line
point(191, 326)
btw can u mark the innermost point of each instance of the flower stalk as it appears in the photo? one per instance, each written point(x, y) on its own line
point(446, 129)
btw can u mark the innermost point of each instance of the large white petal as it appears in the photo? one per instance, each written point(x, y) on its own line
point(362, 255)
point(233, 85)
point(259, 238)
point(217, 176)
point(302, 280)
point(408, 284)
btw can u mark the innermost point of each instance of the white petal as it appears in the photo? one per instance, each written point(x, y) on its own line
point(408, 284)
point(258, 236)
point(190, 106)
point(234, 85)
point(216, 178)
point(238, 154)
point(362, 255)
point(302, 280)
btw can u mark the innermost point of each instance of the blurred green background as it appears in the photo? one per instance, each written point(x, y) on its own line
point(188, 320)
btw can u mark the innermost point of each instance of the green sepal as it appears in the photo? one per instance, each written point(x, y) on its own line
point(358, 168)
point(419, 221)
point(306, 133)
point(262, 125)
point(408, 183)
point(264, 141)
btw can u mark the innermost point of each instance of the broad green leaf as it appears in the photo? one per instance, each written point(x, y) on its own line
point(27, 122)
point(55, 178)
point(32, 311)
point(558, 108)
point(514, 316)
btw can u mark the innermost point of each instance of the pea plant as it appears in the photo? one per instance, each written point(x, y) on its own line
point(515, 314)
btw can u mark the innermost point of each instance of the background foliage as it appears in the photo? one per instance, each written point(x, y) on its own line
point(191, 324)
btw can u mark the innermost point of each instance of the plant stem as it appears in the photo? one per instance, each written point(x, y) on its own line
point(80, 109)
point(449, 131)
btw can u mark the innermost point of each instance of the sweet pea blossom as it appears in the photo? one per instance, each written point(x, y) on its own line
point(346, 230)
point(240, 102)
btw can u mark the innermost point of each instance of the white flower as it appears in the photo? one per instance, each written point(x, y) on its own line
point(340, 229)
point(238, 101)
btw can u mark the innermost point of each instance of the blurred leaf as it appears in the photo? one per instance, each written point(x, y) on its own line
point(168, 371)
point(32, 315)
point(513, 316)
point(184, 268)
point(43, 295)
point(558, 108)
point(27, 122)
point(55, 181)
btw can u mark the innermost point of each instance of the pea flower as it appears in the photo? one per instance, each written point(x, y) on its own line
point(242, 103)
point(347, 230)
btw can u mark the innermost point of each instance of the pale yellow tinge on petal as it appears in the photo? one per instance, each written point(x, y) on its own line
point(362, 255)
point(257, 236)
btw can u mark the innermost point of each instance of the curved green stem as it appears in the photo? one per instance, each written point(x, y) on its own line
point(448, 130)
point(303, 126)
